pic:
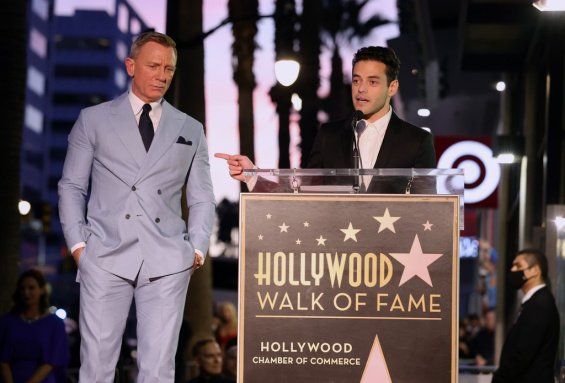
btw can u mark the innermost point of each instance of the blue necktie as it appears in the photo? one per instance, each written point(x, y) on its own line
point(146, 127)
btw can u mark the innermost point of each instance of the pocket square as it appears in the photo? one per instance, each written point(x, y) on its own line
point(182, 140)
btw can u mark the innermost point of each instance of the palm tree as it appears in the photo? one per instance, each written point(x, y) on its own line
point(309, 79)
point(13, 67)
point(285, 34)
point(341, 22)
point(244, 15)
point(184, 24)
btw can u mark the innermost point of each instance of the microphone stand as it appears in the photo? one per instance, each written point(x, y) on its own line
point(356, 158)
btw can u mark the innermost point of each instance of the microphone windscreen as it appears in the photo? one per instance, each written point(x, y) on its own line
point(358, 115)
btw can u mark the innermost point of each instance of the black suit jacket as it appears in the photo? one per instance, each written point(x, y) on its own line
point(404, 146)
point(528, 354)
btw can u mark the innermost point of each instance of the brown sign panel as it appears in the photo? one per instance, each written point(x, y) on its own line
point(348, 288)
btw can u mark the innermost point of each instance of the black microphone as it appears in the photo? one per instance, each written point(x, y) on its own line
point(357, 116)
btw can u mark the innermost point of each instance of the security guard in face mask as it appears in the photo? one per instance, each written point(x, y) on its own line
point(529, 352)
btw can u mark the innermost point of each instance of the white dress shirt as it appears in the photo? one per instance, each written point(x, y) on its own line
point(370, 142)
point(137, 107)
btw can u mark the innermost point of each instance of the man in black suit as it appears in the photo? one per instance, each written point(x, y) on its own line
point(384, 140)
point(528, 354)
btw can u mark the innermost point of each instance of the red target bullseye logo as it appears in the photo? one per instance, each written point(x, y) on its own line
point(482, 172)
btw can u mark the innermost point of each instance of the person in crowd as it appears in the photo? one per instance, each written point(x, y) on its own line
point(230, 363)
point(482, 345)
point(208, 357)
point(464, 348)
point(383, 139)
point(529, 351)
point(33, 343)
point(473, 326)
point(134, 157)
point(226, 329)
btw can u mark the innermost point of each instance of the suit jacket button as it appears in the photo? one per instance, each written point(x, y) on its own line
point(128, 216)
point(159, 191)
point(133, 188)
point(157, 220)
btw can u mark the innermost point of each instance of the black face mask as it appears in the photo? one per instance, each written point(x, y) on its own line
point(517, 279)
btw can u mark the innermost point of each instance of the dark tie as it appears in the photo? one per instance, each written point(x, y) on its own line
point(146, 127)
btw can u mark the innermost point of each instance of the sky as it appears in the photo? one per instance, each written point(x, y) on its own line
point(221, 93)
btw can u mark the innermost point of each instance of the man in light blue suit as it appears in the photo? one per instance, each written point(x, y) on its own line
point(137, 154)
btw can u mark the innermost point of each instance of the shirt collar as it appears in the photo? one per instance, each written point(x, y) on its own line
point(137, 104)
point(381, 124)
point(530, 293)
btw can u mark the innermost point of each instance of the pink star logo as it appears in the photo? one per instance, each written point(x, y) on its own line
point(416, 263)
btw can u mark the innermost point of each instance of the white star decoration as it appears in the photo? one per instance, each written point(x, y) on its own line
point(350, 233)
point(298, 241)
point(427, 226)
point(306, 224)
point(269, 216)
point(260, 236)
point(416, 263)
point(321, 241)
point(284, 228)
point(386, 221)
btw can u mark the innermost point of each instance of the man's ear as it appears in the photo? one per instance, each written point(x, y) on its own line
point(393, 88)
point(130, 66)
point(537, 270)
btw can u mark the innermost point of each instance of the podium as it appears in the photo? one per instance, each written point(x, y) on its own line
point(340, 282)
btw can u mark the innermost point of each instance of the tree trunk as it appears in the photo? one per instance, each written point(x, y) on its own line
point(309, 80)
point(285, 34)
point(336, 102)
point(13, 44)
point(244, 14)
point(184, 25)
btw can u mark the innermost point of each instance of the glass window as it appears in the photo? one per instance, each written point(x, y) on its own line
point(120, 78)
point(41, 8)
point(82, 71)
point(77, 99)
point(38, 43)
point(35, 81)
point(123, 16)
point(34, 119)
point(121, 50)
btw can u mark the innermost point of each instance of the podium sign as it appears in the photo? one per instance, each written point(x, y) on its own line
point(348, 288)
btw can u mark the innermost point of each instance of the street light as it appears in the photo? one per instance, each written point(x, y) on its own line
point(24, 207)
point(549, 5)
point(508, 149)
point(286, 71)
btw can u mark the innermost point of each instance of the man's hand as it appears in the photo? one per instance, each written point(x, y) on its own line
point(76, 254)
point(236, 164)
point(198, 261)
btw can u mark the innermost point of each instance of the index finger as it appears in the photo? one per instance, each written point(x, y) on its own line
point(224, 156)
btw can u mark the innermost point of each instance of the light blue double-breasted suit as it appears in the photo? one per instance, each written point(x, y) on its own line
point(137, 244)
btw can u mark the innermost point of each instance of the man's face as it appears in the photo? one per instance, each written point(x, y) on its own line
point(370, 90)
point(521, 263)
point(210, 359)
point(152, 71)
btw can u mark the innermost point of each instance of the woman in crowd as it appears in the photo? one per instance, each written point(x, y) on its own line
point(33, 343)
point(226, 332)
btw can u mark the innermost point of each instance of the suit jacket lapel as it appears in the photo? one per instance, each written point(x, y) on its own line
point(167, 133)
point(388, 146)
point(126, 128)
point(347, 138)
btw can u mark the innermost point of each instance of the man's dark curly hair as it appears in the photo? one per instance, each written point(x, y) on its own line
point(382, 54)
